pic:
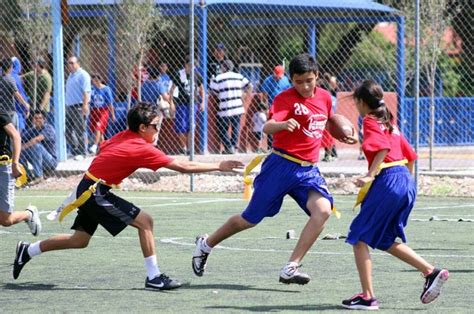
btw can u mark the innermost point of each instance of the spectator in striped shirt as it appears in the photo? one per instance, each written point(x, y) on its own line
point(229, 88)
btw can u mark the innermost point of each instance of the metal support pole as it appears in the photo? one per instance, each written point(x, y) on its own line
point(58, 81)
point(416, 113)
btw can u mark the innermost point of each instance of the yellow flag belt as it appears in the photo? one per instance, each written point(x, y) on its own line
point(248, 182)
point(365, 189)
point(84, 196)
point(21, 180)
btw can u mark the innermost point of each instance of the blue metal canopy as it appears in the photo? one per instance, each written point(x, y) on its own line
point(337, 5)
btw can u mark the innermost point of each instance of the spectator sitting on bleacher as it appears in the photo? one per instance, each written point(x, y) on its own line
point(102, 106)
point(39, 147)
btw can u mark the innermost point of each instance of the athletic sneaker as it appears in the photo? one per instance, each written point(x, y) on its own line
point(358, 302)
point(291, 274)
point(162, 282)
point(21, 258)
point(199, 256)
point(433, 284)
point(34, 223)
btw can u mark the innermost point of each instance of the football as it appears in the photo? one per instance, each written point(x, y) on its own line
point(340, 127)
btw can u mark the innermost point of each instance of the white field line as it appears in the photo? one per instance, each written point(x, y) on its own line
point(179, 241)
point(230, 199)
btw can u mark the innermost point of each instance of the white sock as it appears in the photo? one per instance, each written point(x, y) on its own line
point(34, 249)
point(205, 247)
point(152, 268)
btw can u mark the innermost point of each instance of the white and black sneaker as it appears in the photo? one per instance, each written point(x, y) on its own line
point(21, 258)
point(162, 282)
point(433, 284)
point(291, 274)
point(199, 256)
point(359, 302)
point(34, 223)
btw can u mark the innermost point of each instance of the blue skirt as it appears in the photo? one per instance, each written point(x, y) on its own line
point(385, 210)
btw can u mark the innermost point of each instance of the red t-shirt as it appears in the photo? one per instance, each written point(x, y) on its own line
point(311, 113)
point(377, 137)
point(124, 153)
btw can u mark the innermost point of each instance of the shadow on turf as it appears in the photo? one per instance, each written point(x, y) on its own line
point(453, 271)
point(275, 308)
point(30, 286)
point(234, 287)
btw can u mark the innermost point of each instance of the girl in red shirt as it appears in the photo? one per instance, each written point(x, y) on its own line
point(389, 201)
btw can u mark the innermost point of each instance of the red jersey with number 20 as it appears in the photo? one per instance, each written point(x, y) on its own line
point(311, 113)
point(377, 138)
point(124, 153)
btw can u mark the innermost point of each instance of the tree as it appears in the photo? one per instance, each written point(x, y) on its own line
point(37, 30)
point(139, 22)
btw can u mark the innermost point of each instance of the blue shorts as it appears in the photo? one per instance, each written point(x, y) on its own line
point(182, 120)
point(385, 209)
point(278, 178)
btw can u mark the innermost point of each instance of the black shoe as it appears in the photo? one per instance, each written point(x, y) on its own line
point(162, 282)
point(433, 284)
point(21, 258)
point(358, 302)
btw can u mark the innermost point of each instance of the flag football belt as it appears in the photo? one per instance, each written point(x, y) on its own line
point(84, 196)
point(21, 180)
point(365, 189)
point(302, 163)
point(5, 160)
point(248, 181)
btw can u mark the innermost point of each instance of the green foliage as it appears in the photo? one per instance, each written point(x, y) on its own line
point(36, 25)
point(450, 75)
point(140, 20)
point(373, 52)
point(291, 47)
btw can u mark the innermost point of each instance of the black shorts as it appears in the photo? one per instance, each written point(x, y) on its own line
point(104, 208)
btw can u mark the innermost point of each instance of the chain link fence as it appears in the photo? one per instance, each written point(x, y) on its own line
point(133, 51)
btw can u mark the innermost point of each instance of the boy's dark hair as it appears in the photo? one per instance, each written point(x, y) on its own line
point(141, 113)
point(6, 64)
point(97, 76)
point(371, 94)
point(303, 63)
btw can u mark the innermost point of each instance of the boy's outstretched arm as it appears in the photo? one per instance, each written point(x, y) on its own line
point(185, 166)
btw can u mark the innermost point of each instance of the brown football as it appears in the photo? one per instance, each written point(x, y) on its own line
point(340, 127)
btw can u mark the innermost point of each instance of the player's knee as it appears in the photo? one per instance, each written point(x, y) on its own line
point(240, 223)
point(79, 243)
point(6, 222)
point(321, 213)
point(148, 221)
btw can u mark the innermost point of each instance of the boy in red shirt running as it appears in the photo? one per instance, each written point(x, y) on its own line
point(118, 158)
point(297, 120)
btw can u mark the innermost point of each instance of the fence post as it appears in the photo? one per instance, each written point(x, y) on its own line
point(58, 81)
point(400, 78)
point(202, 50)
